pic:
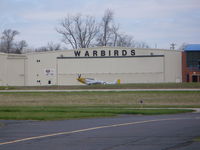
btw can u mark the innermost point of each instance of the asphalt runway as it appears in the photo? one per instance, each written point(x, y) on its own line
point(126, 132)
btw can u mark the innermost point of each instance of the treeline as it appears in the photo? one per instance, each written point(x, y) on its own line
point(9, 45)
point(80, 31)
point(77, 31)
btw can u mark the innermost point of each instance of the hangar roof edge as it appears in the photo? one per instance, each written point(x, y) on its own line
point(100, 48)
point(13, 55)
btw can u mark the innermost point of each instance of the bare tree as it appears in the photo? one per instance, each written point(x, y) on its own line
point(7, 39)
point(109, 34)
point(125, 40)
point(19, 47)
point(141, 45)
point(105, 28)
point(8, 44)
point(78, 31)
point(115, 30)
point(50, 47)
point(183, 45)
point(53, 47)
point(41, 49)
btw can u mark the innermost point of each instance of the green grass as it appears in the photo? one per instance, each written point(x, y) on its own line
point(150, 99)
point(119, 86)
point(68, 105)
point(197, 139)
point(57, 113)
point(7, 88)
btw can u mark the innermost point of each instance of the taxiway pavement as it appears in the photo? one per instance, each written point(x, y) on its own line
point(157, 132)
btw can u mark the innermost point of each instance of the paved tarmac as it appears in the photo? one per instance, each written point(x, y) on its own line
point(126, 132)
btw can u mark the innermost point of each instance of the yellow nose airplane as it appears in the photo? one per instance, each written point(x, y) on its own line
point(90, 81)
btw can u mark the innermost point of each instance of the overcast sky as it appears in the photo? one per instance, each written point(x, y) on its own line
point(157, 22)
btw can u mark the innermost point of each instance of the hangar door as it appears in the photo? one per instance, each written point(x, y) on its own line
point(15, 72)
point(127, 69)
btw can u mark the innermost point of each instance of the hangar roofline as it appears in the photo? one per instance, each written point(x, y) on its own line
point(100, 48)
point(9, 55)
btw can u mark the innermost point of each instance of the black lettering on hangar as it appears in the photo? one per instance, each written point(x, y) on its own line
point(103, 53)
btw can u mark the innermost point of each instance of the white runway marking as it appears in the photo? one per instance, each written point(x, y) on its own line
point(90, 129)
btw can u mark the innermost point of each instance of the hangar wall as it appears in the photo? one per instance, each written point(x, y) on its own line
point(173, 66)
point(12, 69)
point(103, 63)
point(2, 69)
point(127, 70)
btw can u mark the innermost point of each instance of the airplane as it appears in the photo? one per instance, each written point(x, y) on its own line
point(91, 81)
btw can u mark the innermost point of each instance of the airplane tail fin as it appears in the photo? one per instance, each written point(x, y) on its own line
point(118, 81)
point(79, 75)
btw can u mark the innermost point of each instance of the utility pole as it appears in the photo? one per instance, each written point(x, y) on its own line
point(172, 46)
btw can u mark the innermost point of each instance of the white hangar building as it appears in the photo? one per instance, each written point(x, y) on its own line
point(130, 65)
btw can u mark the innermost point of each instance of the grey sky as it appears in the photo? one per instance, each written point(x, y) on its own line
point(158, 22)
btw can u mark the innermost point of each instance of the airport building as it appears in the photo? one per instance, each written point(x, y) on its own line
point(191, 63)
point(130, 65)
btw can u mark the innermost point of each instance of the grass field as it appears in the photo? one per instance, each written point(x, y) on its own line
point(118, 86)
point(55, 113)
point(197, 139)
point(129, 99)
point(67, 105)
